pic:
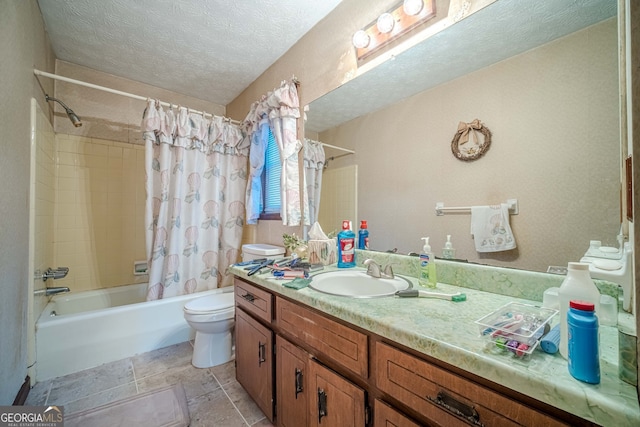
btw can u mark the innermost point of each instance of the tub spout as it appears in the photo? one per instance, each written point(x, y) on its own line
point(52, 291)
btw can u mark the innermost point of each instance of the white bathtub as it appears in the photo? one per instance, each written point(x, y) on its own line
point(95, 327)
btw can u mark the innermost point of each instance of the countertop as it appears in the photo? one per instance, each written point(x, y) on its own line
point(447, 331)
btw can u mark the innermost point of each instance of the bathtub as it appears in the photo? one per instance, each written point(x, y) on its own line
point(87, 329)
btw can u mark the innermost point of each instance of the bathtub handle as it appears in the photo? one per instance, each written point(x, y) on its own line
point(261, 355)
point(249, 297)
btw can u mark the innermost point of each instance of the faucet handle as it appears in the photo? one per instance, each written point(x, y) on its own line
point(388, 271)
point(373, 269)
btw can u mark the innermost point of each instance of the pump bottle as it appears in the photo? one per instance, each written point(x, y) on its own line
point(427, 266)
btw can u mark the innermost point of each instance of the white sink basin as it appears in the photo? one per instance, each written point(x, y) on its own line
point(357, 284)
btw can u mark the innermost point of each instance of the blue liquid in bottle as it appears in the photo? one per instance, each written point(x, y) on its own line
point(346, 247)
point(363, 236)
point(582, 334)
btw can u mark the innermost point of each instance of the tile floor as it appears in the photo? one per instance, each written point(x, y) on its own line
point(213, 395)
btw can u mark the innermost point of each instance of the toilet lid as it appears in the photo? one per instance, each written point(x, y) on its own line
point(210, 303)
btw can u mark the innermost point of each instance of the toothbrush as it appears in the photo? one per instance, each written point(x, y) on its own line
point(415, 293)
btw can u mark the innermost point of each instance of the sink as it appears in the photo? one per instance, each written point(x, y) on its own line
point(357, 284)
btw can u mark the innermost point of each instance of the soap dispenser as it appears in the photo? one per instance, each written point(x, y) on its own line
point(427, 266)
point(448, 252)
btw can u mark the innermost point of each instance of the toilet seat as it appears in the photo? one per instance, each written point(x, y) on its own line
point(210, 304)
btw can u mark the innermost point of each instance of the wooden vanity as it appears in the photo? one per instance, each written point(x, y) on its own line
point(305, 367)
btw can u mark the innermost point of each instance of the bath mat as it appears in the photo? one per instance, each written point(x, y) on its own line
point(165, 407)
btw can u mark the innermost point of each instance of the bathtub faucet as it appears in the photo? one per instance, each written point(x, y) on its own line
point(52, 291)
point(58, 273)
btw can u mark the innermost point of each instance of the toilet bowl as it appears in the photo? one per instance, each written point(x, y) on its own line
point(212, 317)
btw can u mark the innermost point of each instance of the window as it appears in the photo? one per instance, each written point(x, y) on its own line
point(271, 180)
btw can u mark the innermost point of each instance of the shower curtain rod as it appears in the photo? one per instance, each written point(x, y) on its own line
point(118, 92)
point(338, 148)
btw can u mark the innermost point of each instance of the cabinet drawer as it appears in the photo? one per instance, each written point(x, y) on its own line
point(386, 416)
point(254, 300)
point(341, 343)
point(438, 394)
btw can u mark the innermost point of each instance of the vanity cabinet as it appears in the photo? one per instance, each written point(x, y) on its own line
point(317, 370)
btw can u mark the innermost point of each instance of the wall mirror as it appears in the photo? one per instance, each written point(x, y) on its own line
point(543, 76)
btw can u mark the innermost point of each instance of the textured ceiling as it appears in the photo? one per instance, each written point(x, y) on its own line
point(209, 49)
point(501, 30)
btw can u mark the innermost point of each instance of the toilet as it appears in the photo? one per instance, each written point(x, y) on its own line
point(212, 317)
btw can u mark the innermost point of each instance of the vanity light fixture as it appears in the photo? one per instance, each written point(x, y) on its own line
point(385, 23)
point(402, 18)
point(412, 7)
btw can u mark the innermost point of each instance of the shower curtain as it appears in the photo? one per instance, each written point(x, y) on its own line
point(196, 175)
point(313, 155)
point(279, 110)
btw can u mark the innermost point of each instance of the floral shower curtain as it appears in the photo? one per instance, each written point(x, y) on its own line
point(196, 178)
point(313, 155)
point(280, 110)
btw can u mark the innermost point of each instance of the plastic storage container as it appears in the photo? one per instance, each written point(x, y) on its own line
point(261, 250)
point(584, 357)
point(576, 286)
point(515, 327)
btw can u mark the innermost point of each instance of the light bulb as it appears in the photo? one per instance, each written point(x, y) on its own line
point(360, 39)
point(385, 23)
point(412, 7)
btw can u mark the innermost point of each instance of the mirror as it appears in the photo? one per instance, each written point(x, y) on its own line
point(543, 77)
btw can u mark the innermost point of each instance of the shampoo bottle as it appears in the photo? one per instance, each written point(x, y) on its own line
point(346, 246)
point(427, 266)
point(576, 286)
point(448, 252)
point(363, 236)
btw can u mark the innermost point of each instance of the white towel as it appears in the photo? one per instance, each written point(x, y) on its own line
point(490, 228)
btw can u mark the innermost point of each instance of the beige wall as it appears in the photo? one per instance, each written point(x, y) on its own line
point(553, 112)
point(99, 212)
point(23, 45)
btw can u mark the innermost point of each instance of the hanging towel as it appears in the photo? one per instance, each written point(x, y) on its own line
point(490, 228)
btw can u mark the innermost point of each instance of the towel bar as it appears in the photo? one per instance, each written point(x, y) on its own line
point(441, 210)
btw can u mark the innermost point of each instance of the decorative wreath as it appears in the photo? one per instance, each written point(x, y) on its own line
point(470, 148)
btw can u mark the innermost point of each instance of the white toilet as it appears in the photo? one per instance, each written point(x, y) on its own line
point(212, 317)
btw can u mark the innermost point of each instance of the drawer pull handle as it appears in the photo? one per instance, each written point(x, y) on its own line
point(457, 408)
point(298, 382)
point(261, 353)
point(249, 297)
point(322, 405)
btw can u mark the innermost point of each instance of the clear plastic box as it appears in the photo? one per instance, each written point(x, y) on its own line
point(516, 327)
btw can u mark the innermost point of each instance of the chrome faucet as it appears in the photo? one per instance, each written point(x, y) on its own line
point(375, 270)
point(52, 291)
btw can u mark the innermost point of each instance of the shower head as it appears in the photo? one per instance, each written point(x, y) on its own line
point(72, 116)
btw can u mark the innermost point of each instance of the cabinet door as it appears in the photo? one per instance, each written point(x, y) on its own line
point(254, 361)
point(333, 401)
point(292, 380)
point(386, 416)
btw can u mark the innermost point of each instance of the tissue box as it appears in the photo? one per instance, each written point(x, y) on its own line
point(323, 251)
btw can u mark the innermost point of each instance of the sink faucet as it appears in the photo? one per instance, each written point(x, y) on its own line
point(375, 270)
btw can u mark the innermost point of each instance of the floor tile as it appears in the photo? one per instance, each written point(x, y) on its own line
point(160, 360)
point(90, 381)
point(214, 410)
point(243, 402)
point(262, 423)
point(195, 382)
point(225, 373)
point(38, 394)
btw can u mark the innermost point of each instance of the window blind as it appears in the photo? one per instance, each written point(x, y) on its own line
point(273, 171)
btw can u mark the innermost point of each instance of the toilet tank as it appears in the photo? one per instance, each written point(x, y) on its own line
point(261, 250)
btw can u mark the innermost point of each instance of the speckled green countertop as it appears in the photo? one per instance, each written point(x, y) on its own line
point(447, 331)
